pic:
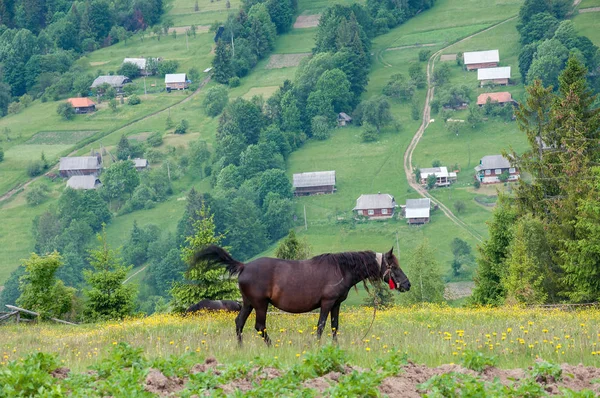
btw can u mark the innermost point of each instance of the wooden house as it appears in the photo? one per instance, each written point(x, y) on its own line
point(443, 178)
point(84, 182)
point(79, 166)
point(417, 211)
point(496, 98)
point(343, 119)
point(377, 206)
point(318, 182)
point(140, 164)
point(139, 62)
point(491, 167)
point(176, 81)
point(117, 82)
point(481, 59)
point(82, 105)
point(498, 76)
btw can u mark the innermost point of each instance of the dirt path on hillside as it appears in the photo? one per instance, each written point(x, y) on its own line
point(408, 165)
point(591, 9)
point(13, 191)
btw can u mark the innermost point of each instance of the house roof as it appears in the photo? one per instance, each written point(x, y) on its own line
point(417, 208)
point(79, 163)
point(501, 98)
point(139, 62)
point(115, 81)
point(502, 72)
point(81, 102)
point(493, 162)
point(140, 162)
point(314, 179)
point(481, 57)
point(376, 201)
point(83, 182)
point(175, 78)
point(344, 116)
point(439, 172)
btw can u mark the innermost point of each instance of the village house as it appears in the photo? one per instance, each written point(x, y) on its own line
point(139, 62)
point(84, 182)
point(82, 105)
point(318, 182)
point(377, 206)
point(140, 164)
point(78, 166)
point(497, 76)
point(496, 98)
point(491, 167)
point(481, 59)
point(176, 81)
point(417, 211)
point(343, 119)
point(443, 178)
point(116, 82)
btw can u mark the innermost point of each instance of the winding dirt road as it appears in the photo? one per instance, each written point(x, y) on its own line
point(408, 165)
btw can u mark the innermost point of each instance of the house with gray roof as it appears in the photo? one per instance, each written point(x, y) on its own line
point(316, 182)
point(491, 167)
point(81, 165)
point(140, 164)
point(443, 178)
point(481, 59)
point(498, 76)
point(417, 211)
point(117, 82)
point(376, 206)
point(84, 182)
point(139, 62)
point(176, 81)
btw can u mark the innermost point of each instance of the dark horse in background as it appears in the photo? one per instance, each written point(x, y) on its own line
point(302, 286)
point(215, 305)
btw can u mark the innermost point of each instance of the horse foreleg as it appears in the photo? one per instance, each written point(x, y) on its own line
point(240, 321)
point(261, 323)
point(335, 318)
point(326, 307)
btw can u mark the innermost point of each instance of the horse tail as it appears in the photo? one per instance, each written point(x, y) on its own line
point(215, 255)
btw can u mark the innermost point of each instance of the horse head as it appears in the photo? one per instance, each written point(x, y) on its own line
point(393, 274)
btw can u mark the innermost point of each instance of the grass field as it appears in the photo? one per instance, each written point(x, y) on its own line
point(588, 25)
point(430, 335)
point(589, 3)
point(183, 12)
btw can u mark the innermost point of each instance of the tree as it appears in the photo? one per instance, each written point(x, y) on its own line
point(129, 69)
point(199, 155)
point(274, 181)
point(320, 127)
point(65, 109)
point(216, 100)
point(415, 109)
point(441, 74)
point(417, 75)
point(37, 194)
point(475, 118)
point(133, 100)
point(121, 178)
point(459, 206)
point(202, 280)
point(424, 55)
point(112, 104)
point(1, 154)
point(41, 291)
point(123, 148)
point(182, 127)
point(426, 281)
point(222, 68)
point(375, 111)
point(291, 248)
point(369, 133)
point(108, 297)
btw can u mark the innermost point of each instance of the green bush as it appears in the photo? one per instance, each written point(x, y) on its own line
point(155, 139)
point(234, 82)
point(1, 154)
point(35, 168)
point(182, 127)
point(476, 183)
point(477, 361)
point(134, 100)
point(30, 377)
point(65, 109)
point(37, 195)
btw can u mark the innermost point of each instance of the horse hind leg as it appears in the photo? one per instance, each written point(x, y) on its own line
point(335, 319)
point(261, 323)
point(326, 307)
point(240, 321)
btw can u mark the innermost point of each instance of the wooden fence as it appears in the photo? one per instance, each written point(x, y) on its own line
point(16, 312)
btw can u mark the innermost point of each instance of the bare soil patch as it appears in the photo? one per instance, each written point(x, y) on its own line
point(448, 57)
point(99, 63)
point(60, 373)
point(591, 9)
point(307, 21)
point(278, 61)
point(159, 384)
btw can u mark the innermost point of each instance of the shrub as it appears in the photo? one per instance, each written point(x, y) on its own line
point(134, 100)
point(35, 168)
point(166, 67)
point(459, 206)
point(436, 163)
point(477, 361)
point(129, 89)
point(129, 69)
point(155, 139)
point(1, 154)
point(424, 55)
point(112, 104)
point(320, 127)
point(546, 372)
point(65, 109)
point(26, 100)
point(154, 155)
point(37, 195)
point(216, 100)
point(182, 127)
point(234, 82)
point(14, 108)
point(369, 133)
point(504, 176)
point(431, 180)
point(477, 183)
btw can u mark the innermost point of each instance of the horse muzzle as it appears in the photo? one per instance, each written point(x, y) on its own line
point(404, 287)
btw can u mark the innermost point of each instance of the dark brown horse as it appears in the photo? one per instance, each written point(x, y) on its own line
point(302, 286)
point(215, 305)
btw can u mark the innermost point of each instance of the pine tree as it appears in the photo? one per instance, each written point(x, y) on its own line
point(223, 69)
point(425, 278)
point(291, 248)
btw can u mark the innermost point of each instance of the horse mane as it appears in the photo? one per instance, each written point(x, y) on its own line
point(361, 264)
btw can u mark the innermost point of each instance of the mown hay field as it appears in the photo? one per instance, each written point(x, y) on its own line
point(431, 335)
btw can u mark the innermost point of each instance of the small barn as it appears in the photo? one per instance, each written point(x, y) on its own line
point(481, 59)
point(139, 62)
point(498, 76)
point(491, 167)
point(82, 105)
point(443, 178)
point(377, 206)
point(176, 81)
point(318, 182)
point(117, 82)
point(344, 119)
point(80, 166)
point(496, 98)
point(84, 182)
point(417, 211)
point(140, 164)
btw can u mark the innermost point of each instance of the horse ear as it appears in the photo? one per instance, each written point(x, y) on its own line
point(392, 250)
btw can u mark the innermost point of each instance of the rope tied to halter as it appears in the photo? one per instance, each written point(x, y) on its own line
point(379, 257)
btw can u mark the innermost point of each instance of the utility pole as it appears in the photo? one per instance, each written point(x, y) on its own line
point(397, 244)
point(305, 223)
point(187, 45)
point(145, 92)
